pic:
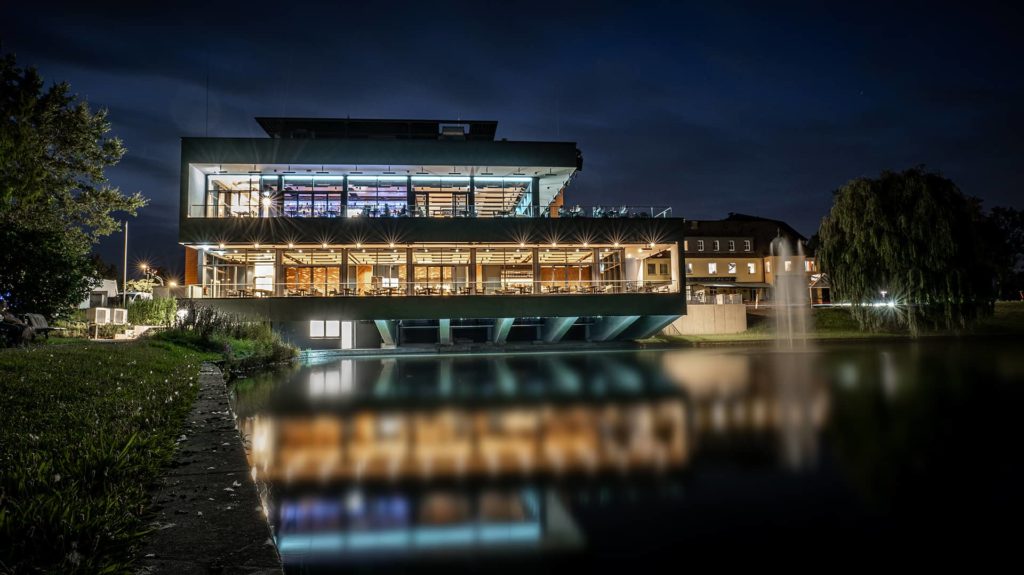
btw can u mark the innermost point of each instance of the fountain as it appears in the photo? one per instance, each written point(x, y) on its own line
point(793, 364)
point(792, 303)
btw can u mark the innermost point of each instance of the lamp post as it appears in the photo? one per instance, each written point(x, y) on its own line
point(151, 274)
point(124, 270)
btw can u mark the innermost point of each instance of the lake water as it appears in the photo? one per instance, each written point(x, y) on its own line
point(612, 461)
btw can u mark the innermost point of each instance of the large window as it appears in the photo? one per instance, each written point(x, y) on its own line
point(233, 196)
point(312, 196)
point(377, 271)
point(441, 270)
point(239, 273)
point(504, 270)
point(441, 196)
point(565, 269)
point(501, 197)
point(378, 196)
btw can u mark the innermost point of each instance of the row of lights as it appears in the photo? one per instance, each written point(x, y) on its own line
point(291, 245)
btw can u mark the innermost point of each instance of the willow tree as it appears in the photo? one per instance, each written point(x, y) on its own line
point(55, 200)
point(908, 249)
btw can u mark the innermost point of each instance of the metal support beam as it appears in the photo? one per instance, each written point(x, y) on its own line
point(444, 331)
point(555, 328)
point(388, 329)
point(647, 326)
point(610, 326)
point(501, 327)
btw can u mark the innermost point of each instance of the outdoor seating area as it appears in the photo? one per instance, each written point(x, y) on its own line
point(431, 211)
point(521, 288)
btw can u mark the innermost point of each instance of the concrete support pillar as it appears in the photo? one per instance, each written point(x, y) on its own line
point(556, 327)
point(610, 326)
point(343, 273)
point(344, 195)
point(388, 329)
point(444, 331)
point(536, 270)
point(502, 325)
point(279, 276)
point(647, 326)
point(409, 279)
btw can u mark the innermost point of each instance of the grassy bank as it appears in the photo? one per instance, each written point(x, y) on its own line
point(87, 427)
point(838, 324)
point(243, 347)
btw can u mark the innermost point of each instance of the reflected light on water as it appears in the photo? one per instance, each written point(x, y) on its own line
point(600, 455)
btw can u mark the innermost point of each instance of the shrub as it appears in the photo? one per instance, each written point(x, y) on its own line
point(156, 311)
point(245, 345)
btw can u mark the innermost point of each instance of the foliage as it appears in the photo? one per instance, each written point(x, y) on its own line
point(1010, 225)
point(87, 428)
point(42, 270)
point(104, 270)
point(156, 311)
point(55, 201)
point(244, 345)
point(70, 328)
point(144, 285)
point(914, 235)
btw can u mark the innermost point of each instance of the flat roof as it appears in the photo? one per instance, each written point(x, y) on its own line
point(373, 128)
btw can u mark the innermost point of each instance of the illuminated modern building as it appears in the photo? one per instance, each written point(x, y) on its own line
point(369, 233)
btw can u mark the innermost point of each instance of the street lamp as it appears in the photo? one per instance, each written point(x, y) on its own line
point(151, 273)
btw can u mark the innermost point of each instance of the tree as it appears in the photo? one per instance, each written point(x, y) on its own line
point(1010, 225)
point(55, 201)
point(104, 270)
point(916, 237)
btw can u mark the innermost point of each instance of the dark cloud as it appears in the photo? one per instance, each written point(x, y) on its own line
point(744, 107)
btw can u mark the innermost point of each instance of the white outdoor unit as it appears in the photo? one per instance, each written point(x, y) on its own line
point(119, 316)
point(98, 315)
point(195, 291)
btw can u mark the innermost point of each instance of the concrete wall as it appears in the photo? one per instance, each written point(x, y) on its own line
point(709, 319)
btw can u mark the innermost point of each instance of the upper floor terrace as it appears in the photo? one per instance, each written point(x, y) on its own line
point(338, 195)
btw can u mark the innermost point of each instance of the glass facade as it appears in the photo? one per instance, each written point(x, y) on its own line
point(377, 196)
point(324, 195)
point(425, 270)
point(441, 197)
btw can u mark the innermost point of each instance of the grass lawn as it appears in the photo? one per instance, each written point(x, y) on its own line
point(86, 428)
point(836, 323)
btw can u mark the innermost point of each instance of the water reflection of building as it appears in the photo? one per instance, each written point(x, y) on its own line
point(520, 417)
point(411, 456)
point(761, 400)
point(359, 522)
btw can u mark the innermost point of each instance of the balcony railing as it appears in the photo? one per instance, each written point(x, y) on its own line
point(440, 289)
point(388, 211)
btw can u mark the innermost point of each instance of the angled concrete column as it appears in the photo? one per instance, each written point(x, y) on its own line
point(555, 328)
point(610, 326)
point(501, 327)
point(444, 331)
point(388, 329)
point(647, 326)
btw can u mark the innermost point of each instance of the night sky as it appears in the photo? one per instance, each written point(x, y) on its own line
point(710, 109)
